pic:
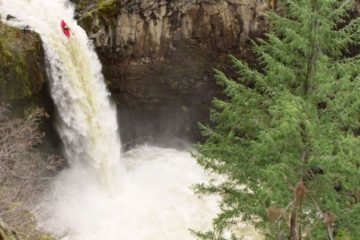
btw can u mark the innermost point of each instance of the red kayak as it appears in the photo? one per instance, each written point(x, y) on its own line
point(65, 28)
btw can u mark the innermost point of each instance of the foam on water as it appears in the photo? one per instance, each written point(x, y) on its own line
point(155, 203)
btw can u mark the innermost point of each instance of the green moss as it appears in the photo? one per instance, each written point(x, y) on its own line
point(107, 4)
point(105, 10)
point(87, 21)
point(82, 5)
point(22, 72)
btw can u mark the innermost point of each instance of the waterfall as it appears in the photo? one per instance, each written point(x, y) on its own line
point(87, 121)
point(150, 196)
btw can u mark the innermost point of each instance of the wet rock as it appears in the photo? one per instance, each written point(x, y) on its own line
point(9, 17)
point(164, 99)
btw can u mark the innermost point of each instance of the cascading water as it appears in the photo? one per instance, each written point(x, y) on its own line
point(150, 196)
point(87, 121)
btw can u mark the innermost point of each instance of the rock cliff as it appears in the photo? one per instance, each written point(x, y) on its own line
point(158, 57)
point(22, 71)
point(151, 28)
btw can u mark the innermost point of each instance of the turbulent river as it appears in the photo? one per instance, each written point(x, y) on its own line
point(142, 194)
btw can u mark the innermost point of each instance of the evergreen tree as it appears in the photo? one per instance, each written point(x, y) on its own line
point(287, 139)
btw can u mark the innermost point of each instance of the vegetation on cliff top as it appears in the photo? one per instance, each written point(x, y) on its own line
point(287, 139)
point(104, 9)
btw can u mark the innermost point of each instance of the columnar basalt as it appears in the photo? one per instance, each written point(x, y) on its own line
point(158, 57)
point(151, 28)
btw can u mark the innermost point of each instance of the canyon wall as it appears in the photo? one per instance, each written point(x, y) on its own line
point(158, 57)
point(152, 28)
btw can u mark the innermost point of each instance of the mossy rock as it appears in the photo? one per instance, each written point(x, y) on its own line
point(109, 8)
point(22, 66)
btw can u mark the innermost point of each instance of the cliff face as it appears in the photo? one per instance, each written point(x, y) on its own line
point(151, 28)
point(22, 66)
point(158, 57)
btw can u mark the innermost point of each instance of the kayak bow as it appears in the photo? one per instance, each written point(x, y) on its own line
point(65, 28)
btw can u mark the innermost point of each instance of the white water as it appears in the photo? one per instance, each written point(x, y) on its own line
point(150, 196)
point(156, 202)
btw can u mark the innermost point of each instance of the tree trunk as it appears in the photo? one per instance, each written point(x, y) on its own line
point(293, 224)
